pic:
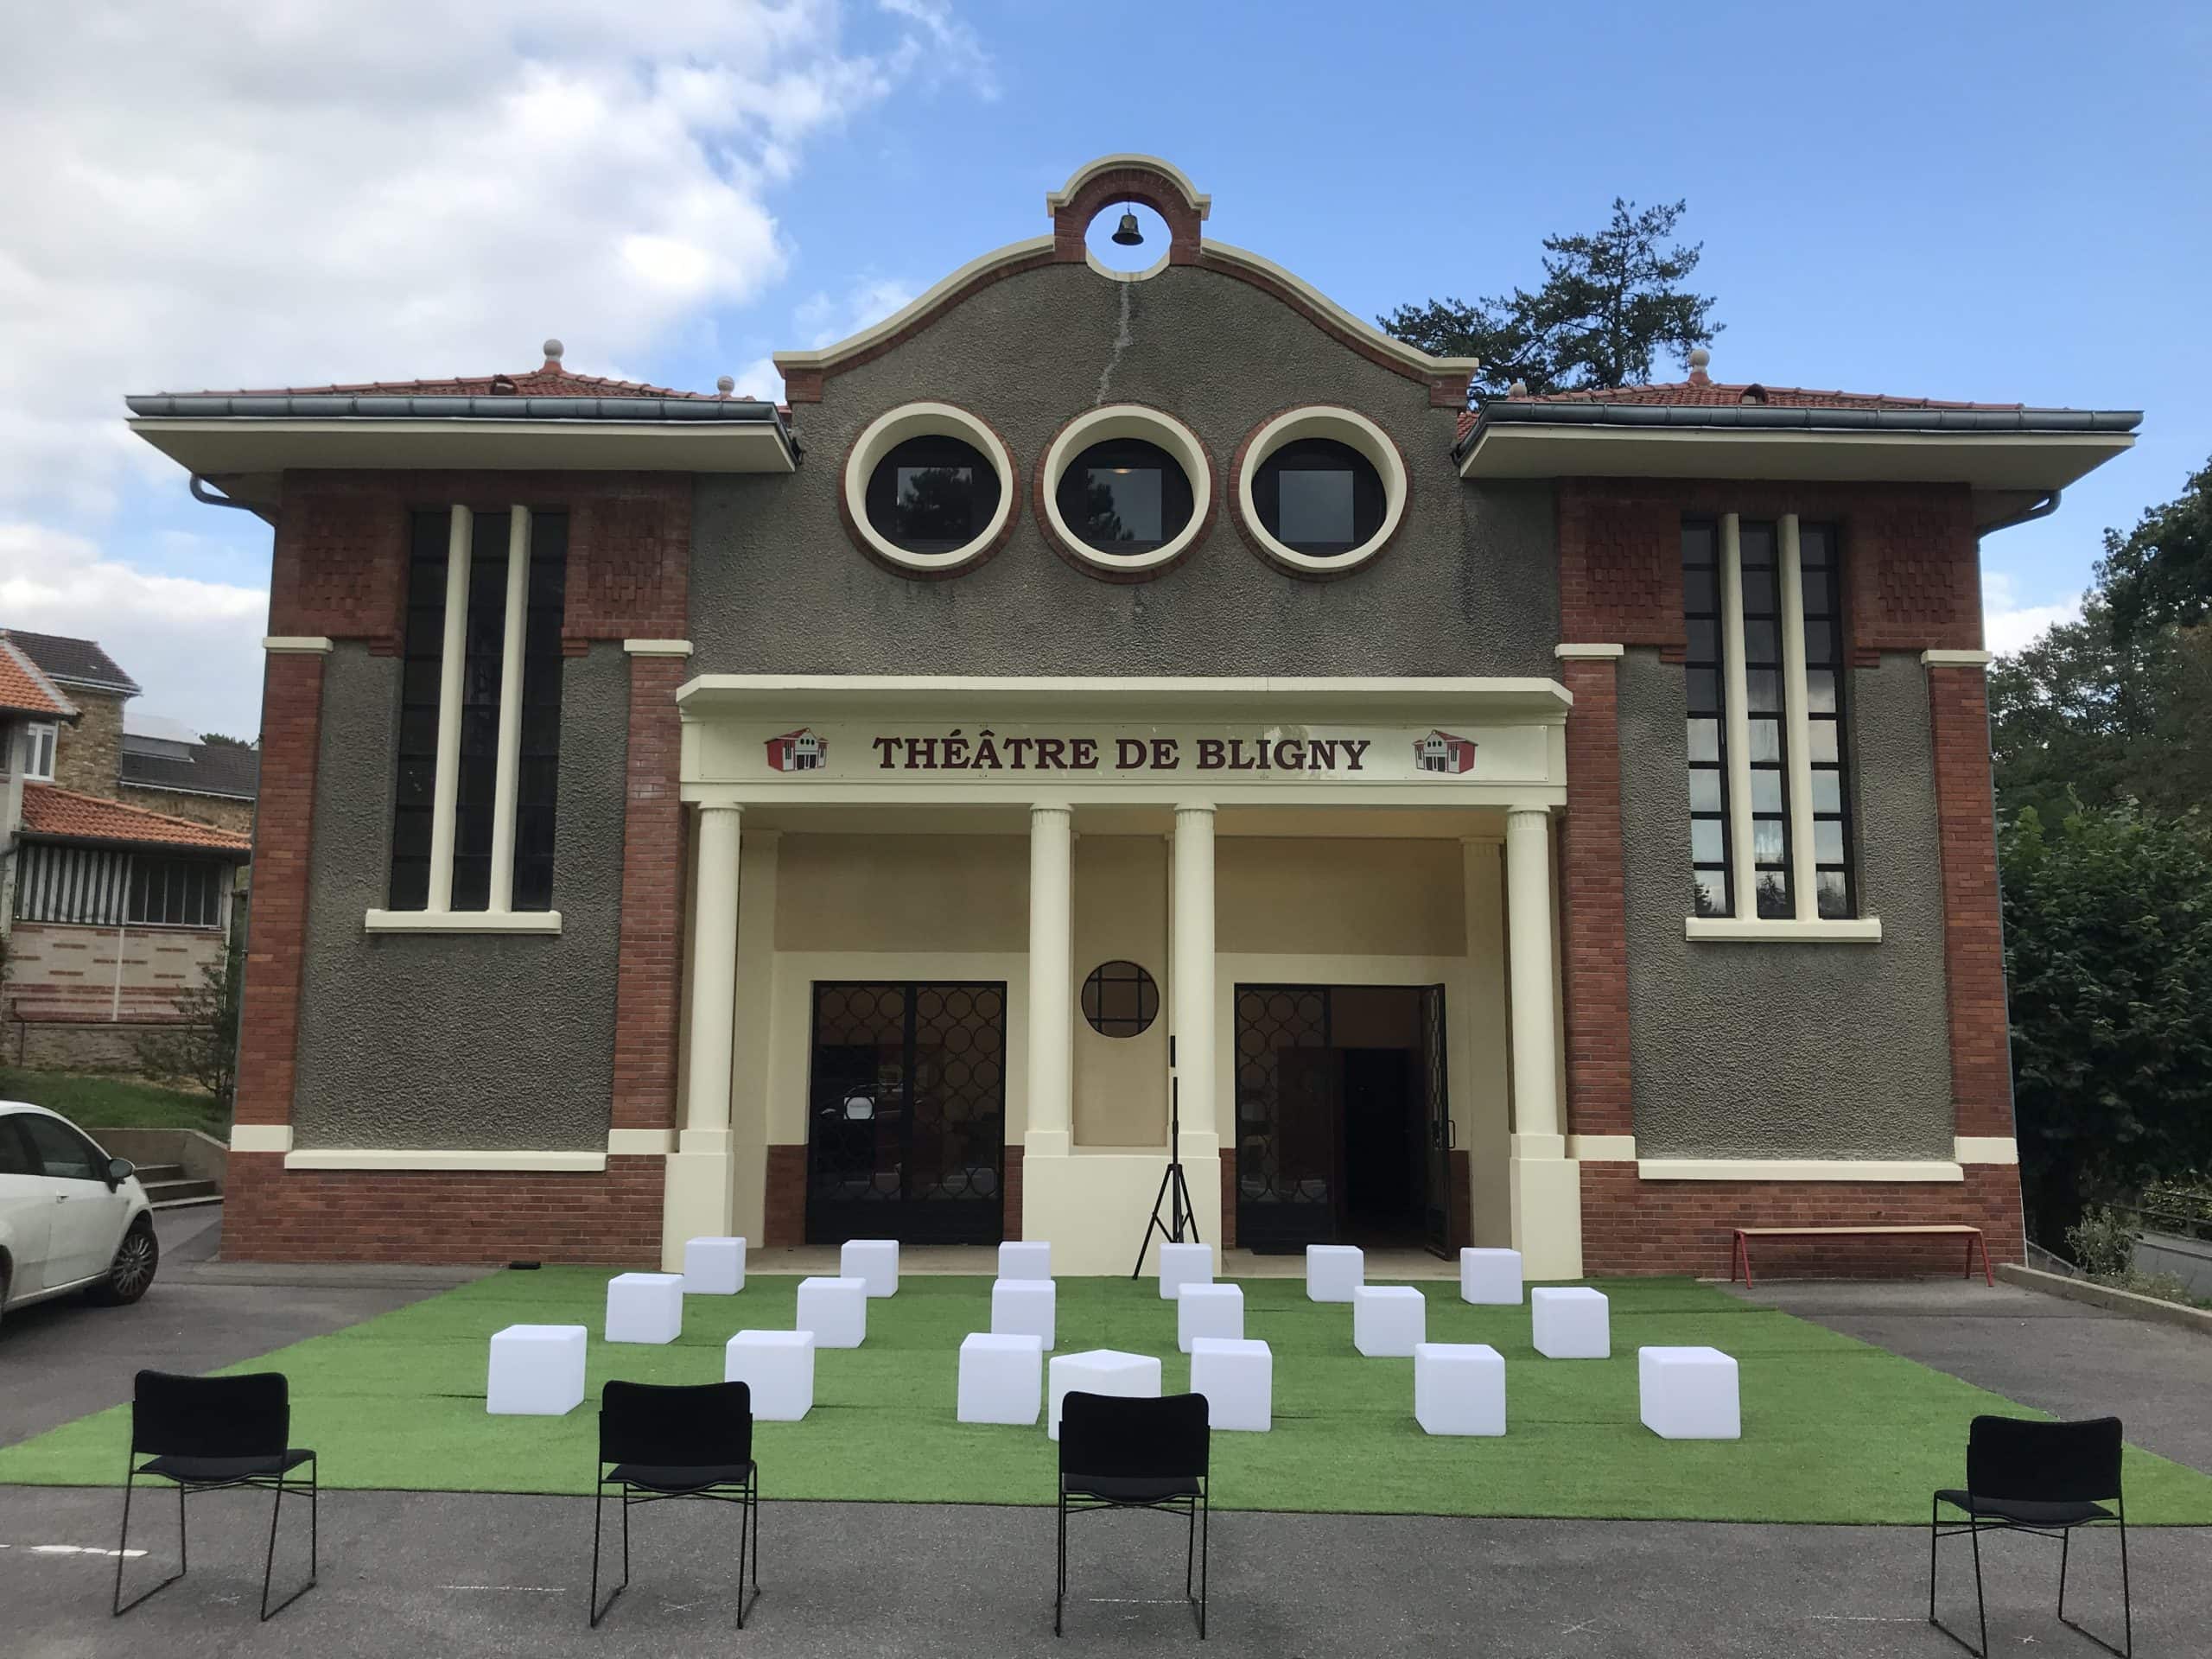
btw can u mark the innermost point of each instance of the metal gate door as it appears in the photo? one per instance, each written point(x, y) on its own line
point(1436, 1207)
point(906, 1113)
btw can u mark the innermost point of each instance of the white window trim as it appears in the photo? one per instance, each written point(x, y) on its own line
point(928, 420)
point(1344, 426)
point(33, 731)
point(438, 1158)
point(1808, 926)
point(1128, 421)
point(500, 916)
point(1796, 1169)
point(462, 921)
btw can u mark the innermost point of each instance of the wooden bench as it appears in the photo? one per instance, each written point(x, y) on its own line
point(1741, 1249)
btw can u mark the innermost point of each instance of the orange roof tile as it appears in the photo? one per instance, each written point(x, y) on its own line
point(550, 379)
point(1699, 393)
point(67, 815)
point(24, 688)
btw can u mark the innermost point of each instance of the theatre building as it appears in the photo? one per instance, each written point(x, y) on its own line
point(1103, 699)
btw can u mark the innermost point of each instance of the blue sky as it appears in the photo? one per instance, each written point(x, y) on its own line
point(1993, 202)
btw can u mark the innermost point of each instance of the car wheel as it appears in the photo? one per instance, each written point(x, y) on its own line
point(132, 1270)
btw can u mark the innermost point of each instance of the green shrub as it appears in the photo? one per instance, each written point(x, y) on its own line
point(2103, 1245)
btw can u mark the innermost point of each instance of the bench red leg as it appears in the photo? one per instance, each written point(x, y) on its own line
point(1988, 1277)
point(1741, 1247)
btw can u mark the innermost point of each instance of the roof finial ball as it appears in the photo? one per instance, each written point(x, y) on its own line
point(552, 351)
point(1699, 357)
point(725, 384)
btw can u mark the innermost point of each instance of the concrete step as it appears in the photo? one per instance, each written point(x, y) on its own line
point(149, 1174)
point(174, 1190)
point(184, 1203)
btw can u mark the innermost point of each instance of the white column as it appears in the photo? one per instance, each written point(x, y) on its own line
point(1193, 973)
point(447, 785)
point(695, 1201)
point(1742, 877)
point(1051, 981)
point(1804, 882)
point(506, 777)
point(1546, 1187)
point(1484, 1015)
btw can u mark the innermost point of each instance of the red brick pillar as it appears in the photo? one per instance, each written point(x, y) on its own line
point(1593, 913)
point(652, 942)
point(1974, 943)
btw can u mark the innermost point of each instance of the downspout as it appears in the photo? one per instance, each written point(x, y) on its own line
point(200, 492)
point(2042, 509)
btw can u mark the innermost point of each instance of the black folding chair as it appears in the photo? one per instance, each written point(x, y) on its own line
point(206, 1434)
point(677, 1442)
point(1135, 1454)
point(2045, 1478)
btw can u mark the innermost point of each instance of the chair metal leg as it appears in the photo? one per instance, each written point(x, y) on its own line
point(2126, 1599)
point(119, 1606)
point(1980, 1605)
point(184, 1536)
point(756, 1532)
point(123, 1544)
point(1191, 1549)
point(269, 1560)
point(269, 1565)
point(2065, 1548)
point(1935, 1507)
point(744, 1537)
point(598, 1506)
point(1060, 1591)
point(1206, 1527)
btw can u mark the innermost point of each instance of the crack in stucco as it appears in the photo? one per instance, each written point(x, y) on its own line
point(1122, 340)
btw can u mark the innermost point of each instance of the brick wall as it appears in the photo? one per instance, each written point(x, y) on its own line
point(88, 753)
point(611, 1219)
point(1635, 1226)
point(648, 994)
point(62, 971)
point(1973, 940)
point(1594, 907)
point(291, 737)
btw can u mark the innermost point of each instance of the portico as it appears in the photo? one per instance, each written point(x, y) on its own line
point(899, 887)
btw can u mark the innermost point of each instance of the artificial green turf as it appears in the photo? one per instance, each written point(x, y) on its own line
point(1833, 1430)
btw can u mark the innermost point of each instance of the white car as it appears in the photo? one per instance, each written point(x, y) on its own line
point(72, 1218)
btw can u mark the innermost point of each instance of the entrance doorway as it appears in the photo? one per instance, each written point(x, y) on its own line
point(906, 1113)
point(1343, 1128)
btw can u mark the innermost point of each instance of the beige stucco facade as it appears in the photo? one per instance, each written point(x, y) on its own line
point(858, 867)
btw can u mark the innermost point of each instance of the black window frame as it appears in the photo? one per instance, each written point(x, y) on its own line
point(187, 892)
point(935, 450)
point(1094, 999)
point(1176, 497)
point(1773, 887)
point(1824, 638)
point(1705, 671)
point(1370, 503)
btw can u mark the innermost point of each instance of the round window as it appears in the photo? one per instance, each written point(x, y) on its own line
point(1323, 490)
point(928, 490)
point(1119, 999)
point(1125, 497)
point(931, 494)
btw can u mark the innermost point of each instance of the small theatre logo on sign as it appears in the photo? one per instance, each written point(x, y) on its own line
point(1441, 752)
point(799, 751)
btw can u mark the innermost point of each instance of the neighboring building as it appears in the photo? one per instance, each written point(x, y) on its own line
point(112, 909)
point(168, 767)
point(1565, 825)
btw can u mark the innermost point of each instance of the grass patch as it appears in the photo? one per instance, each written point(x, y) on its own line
point(102, 1102)
point(1833, 1430)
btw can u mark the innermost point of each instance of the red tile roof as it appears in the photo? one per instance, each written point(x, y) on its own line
point(549, 380)
point(63, 813)
point(1699, 392)
point(24, 688)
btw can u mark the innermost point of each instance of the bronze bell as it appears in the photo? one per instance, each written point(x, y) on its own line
point(1127, 234)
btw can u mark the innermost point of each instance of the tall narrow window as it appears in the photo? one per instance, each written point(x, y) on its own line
point(454, 692)
point(38, 750)
point(1769, 802)
point(1824, 682)
point(1708, 724)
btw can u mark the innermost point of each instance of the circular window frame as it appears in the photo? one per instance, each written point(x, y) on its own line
point(1103, 425)
point(1144, 981)
point(1357, 433)
point(926, 420)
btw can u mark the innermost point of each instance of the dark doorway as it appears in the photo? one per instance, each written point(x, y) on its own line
point(1343, 1122)
point(906, 1114)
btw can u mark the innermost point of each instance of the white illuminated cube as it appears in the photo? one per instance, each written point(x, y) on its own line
point(875, 1262)
point(1689, 1394)
point(1025, 1258)
point(536, 1370)
point(1333, 1271)
point(1490, 1277)
point(1183, 1264)
point(1238, 1380)
point(644, 1307)
point(1208, 1311)
point(835, 1310)
point(1024, 1307)
point(1001, 1378)
point(1460, 1388)
point(1570, 1322)
point(779, 1367)
point(1389, 1321)
point(1099, 1370)
point(713, 1266)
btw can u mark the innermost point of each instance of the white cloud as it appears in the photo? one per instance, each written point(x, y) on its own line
point(242, 193)
point(2008, 625)
point(194, 647)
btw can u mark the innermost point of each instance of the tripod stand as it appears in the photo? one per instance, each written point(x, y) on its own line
point(1174, 1191)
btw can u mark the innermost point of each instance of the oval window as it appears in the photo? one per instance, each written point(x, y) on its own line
point(1119, 999)
point(933, 495)
point(1319, 497)
point(1124, 497)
